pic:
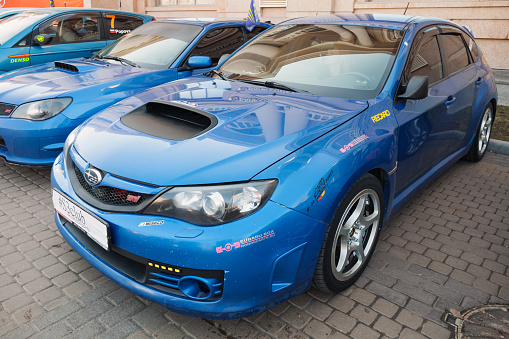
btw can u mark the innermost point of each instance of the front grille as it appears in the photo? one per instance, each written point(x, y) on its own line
point(111, 195)
point(6, 109)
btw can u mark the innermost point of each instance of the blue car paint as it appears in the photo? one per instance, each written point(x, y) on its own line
point(47, 53)
point(315, 165)
point(40, 142)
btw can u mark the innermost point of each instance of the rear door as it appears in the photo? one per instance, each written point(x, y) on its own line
point(461, 83)
point(73, 35)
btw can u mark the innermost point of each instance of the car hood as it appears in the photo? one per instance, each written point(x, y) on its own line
point(256, 126)
point(50, 81)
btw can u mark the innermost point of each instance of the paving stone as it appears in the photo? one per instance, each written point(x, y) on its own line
point(409, 319)
point(24, 331)
point(319, 310)
point(342, 303)
point(90, 330)
point(292, 332)
point(388, 293)
point(385, 307)
point(296, 317)
point(470, 291)
point(59, 330)
point(387, 327)
point(56, 315)
point(410, 334)
point(364, 314)
point(362, 331)
point(433, 330)
point(246, 330)
point(341, 322)
point(362, 296)
point(317, 329)
point(117, 314)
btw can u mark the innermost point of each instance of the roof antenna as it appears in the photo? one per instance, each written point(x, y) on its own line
point(408, 4)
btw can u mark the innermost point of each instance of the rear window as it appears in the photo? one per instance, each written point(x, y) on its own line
point(119, 24)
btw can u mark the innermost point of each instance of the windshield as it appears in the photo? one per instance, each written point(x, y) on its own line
point(16, 23)
point(155, 45)
point(343, 61)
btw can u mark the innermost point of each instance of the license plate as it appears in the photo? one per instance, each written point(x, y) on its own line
point(95, 228)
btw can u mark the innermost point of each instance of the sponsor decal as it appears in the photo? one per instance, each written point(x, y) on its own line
point(151, 223)
point(40, 38)
point(320, 189)
point(163, 267)
point(16, 60)
point(119, 31)
point(246, 242)
point(380, 116)
point(352, 143)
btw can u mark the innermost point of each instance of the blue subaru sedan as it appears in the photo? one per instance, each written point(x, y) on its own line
point(41, 105)
point(220, 196)
point(41, 35)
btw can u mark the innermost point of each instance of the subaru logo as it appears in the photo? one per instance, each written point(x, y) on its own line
point(93, 176)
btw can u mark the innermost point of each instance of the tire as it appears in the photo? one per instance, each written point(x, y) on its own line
point(482, 137)
point(351, 237)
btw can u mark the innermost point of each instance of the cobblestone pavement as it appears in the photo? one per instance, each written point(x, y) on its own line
point(449, 248)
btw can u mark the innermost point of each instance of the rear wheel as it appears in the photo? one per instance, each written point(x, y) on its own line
point(482, 137)
point(351, 237)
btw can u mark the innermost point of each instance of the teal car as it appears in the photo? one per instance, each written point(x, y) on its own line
point(48, 34)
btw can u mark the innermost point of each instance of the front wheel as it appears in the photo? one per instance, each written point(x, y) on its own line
point(351, 237)
point(482, 137)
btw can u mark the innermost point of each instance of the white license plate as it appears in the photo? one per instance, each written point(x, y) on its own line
point(81, 218)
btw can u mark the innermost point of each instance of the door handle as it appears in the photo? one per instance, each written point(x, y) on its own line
point(450, 100)
point(479, 80)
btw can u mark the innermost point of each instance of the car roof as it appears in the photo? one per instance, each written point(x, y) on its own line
point(211, 22)
point(392, 21)
point(55, 10)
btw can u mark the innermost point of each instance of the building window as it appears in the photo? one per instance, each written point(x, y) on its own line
point(272, 3)
point(185, 2)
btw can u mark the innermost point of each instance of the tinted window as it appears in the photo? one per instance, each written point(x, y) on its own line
point(427, 60)
point(71, 28)
point(455, 52)
point(327, 59)
point(155, 45)
point(119, 24)
point(219, 41)
point(257, 30)
point(471, 46)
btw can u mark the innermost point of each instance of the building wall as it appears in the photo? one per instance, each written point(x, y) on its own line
point(489, 20)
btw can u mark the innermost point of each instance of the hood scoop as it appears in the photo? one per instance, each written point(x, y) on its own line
point(67, 67)
point(169, 120)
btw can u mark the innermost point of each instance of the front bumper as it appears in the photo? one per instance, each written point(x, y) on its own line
point(259, 261)
point(34, 142)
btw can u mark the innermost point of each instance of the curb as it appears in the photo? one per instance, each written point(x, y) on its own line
point(498, 146)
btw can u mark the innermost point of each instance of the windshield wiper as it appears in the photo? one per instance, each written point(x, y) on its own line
point(274, 84)
point(219, 74)
point(121, 60)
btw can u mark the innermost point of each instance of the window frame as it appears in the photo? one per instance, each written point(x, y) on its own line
point(449, 30)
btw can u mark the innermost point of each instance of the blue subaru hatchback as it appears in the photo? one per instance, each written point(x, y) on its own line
point(222, 196)
point(41, 105)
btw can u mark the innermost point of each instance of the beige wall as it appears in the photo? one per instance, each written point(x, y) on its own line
point(489, 20)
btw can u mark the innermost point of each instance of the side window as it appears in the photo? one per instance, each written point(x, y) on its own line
point(427, 60)
point(471, 46)
point(224, 40)
point(24, 42)
point(119, 24)
point(455, 53)
point(257, 30)
point(72, 28)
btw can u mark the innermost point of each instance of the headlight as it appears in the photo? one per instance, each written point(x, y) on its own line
point(42, 109)
point(70, 140)
point(213, 205)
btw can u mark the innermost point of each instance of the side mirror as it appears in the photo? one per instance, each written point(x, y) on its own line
point(198, 61)
point(417, 88)
point(42, 39)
